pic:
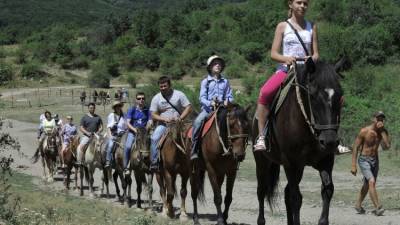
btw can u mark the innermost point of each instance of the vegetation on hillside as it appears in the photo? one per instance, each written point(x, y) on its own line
point(176, 38)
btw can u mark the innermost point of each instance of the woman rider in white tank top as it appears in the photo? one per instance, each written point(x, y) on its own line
point(286, 39)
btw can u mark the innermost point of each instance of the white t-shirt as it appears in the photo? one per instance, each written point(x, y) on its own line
point(165, 110)
point(114, 119)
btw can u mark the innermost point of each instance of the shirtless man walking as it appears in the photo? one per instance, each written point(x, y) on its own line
point(367, 143)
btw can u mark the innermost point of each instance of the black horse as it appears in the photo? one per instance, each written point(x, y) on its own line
point(304, 132)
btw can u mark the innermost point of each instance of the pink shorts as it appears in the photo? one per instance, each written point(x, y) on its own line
point(270, 87)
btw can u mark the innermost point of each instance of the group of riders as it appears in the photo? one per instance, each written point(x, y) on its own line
point(295, 41)
point(104, 97)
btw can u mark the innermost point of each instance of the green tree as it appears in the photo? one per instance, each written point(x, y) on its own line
point(99, 77)
point(6, 73)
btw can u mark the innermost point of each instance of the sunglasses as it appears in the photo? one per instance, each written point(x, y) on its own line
point(139, 98)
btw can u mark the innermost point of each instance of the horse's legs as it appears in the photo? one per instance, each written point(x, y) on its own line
point(261, 171)
point(44, 168)
point(106, 180)
point(327, 189)
point(91, 181)
point(292, 194)
point(230, 181)
point(170, 185)
point(139, 178)
point(81, 174)
point(76, 178)
point(184, 178)
point(115, 177)
point(150, 189)
point(161, 183)
point(216, 183)
point(50, 166)
point(195, 182)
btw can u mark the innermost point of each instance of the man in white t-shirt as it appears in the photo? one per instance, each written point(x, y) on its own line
point(167, 106)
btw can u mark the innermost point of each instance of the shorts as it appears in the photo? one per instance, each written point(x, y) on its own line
point(84, 140)
point(369, 167)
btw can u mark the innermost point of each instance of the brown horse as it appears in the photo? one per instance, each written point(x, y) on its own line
point(303, 133)
point(139, 162)
point(222, 149)
point(68, 156)
point(118, 166)
point(48, 151)
point(174, 161)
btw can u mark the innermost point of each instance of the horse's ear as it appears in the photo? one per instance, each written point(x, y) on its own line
point(342, 64)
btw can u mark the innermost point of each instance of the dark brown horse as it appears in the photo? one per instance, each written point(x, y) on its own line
point(222, 149)
point(174, 161)
point(303, 133)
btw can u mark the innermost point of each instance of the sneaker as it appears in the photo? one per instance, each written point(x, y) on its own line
point(360, 210)
point(260, 144)
point(77, 163)
point(127, 172)
point(379, 211)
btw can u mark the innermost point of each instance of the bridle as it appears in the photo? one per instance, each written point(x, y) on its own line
point(314, 127)
point(228, 149)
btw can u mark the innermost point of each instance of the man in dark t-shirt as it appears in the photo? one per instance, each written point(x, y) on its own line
point(90, 123)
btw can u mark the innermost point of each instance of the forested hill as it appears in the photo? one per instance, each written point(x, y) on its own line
point(19, 18)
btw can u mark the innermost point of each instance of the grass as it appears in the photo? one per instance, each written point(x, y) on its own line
point(43, 206)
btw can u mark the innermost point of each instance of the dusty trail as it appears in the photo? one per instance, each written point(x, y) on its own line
point(244, 207)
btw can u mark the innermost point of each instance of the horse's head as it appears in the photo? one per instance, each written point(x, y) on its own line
point(97, 141)
point(237, 129)
point(322, 97)
point(142, 140)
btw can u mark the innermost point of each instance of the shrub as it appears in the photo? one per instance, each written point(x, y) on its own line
point(6, 73)
point(131, 79)
point(99, 77)
point(253, 52)
point(143, 57)
point(32, 71)
point(21, 56)
point(80, 62)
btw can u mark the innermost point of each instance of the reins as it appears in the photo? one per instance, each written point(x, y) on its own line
point(227, 150)
point(310, 120)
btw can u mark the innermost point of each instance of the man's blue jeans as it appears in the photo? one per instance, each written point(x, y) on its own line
point(197, 124)
point(155, 138)
point(110, 146)
point(130, 139)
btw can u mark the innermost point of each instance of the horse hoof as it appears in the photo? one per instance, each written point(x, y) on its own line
point(164, 212)
point(92, 195)
point(183, 217)
point(50, 180)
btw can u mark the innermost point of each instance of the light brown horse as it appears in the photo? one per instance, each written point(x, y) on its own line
point(222, 149)
point(69, 157)
point(174, 161)
point(139, 162)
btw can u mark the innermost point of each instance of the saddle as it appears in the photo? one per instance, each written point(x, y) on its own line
point(206, 127)
point(278, 100)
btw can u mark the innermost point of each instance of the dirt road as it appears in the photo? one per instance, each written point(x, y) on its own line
point(244, 207)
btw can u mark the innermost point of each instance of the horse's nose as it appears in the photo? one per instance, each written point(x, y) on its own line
point(328, 140)
point(240, 158)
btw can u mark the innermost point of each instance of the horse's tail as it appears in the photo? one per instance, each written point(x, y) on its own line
point(272, 179)
point(35, 157)
point(200, 179)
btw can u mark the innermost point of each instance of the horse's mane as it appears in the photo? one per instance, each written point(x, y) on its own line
point(239, 112)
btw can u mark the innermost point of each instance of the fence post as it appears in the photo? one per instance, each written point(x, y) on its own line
point(60, 92)
point(72, 96)
point(40, 104)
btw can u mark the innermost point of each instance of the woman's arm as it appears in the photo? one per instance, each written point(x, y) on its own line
point(315, 49)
